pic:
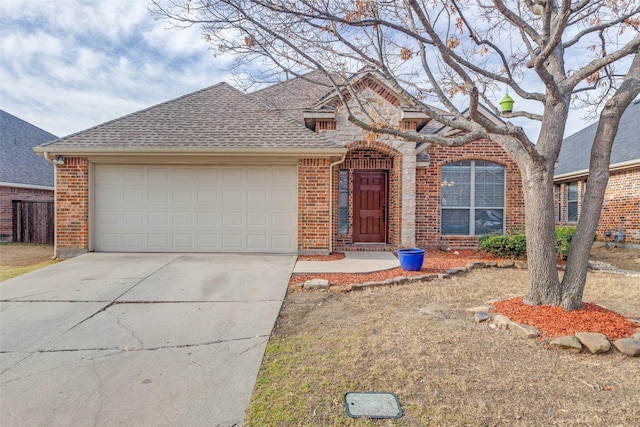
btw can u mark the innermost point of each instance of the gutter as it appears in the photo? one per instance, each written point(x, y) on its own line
point(337, 162)
point(195, 151)
point(585, 172)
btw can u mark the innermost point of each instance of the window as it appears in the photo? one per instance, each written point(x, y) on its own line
point(557, 194)
point(572, 202)
point(343, 202)
point(472, 198)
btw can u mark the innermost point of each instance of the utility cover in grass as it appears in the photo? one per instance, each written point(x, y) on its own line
point(372, 405)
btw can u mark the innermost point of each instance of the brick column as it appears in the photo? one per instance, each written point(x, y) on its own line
point(72, 207)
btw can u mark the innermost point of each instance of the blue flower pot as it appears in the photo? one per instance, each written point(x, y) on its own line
point(411, 259)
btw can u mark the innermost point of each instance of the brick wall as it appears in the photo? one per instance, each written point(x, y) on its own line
point(313, 206)
point(428, 192)
point(620, 207)
point(72, 207)
point(7, 196)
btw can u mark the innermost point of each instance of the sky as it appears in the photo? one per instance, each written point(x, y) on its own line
point(68, 65)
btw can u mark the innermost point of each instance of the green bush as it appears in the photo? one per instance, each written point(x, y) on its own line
point(515, 245)
point(563, 240)
point(504, 246)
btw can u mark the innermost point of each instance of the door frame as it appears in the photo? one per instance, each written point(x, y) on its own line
point(385, 204)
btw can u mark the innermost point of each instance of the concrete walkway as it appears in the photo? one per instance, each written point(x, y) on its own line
point(353, 262)
point(137, 339)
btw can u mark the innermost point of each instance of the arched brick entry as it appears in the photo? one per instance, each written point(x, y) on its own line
point(364, 160)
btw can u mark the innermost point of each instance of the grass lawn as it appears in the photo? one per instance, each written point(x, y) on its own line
point(418, 342)
point(20, 258)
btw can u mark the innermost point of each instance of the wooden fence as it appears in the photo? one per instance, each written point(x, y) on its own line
point(33, 222)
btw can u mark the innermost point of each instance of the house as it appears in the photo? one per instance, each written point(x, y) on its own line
point(26, 183)
point(278, 170)
point(620, 216)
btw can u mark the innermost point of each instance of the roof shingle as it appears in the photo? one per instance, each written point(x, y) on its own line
point(575, 153)
point(18, 163)
point(216, 117)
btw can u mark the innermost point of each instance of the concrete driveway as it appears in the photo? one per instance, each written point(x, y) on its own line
point(137, 339)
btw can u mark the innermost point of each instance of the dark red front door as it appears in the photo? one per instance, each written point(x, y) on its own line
point(370, 206)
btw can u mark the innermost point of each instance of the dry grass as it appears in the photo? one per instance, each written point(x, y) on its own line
point(417, 341)
point(20, 258)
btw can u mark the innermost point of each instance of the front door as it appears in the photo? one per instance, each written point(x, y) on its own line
point(370, 206)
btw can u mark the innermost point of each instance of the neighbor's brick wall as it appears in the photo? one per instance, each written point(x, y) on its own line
point(7, 196)
point(72, 207)
point(620, 207)
point(428, 192)
point(313, 206)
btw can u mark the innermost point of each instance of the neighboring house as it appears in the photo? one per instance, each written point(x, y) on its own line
point(620, 216)
point(26, 183)
point(278, 170)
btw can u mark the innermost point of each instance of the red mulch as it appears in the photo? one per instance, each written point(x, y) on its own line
point(553, 322)
point(434, 262)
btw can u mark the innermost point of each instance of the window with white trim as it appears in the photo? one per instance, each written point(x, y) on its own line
point(472, 198)
point(572, 202)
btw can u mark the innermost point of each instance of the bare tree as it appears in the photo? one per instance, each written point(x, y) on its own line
point(455, 54)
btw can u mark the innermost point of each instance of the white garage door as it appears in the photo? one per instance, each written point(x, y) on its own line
point(149, 208)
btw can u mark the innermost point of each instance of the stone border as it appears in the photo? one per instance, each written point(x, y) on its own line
point(595, 342)
point(322, 284)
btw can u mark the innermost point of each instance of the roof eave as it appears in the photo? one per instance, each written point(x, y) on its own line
point(585, 172)
point(189, 151)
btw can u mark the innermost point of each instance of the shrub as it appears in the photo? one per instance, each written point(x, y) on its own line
point(563, 240)
point(504, 246)
point(515, 245)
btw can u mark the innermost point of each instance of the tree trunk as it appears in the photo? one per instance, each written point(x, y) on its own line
point(575, 276)
point(544, 285)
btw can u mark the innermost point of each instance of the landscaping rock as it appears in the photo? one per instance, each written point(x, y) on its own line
point(482, 308)
point(636, 335)
point(524, 331)
point(337, 289)
point(502, 322)
point(505, 264)
point(474, 265)
point(628, 346)
point(490, 264)
point(481, 316)
point(521, 265)
point(402, 280)
point(316, 284)
point(455, 271)
point(567, 342)
point(595, 342)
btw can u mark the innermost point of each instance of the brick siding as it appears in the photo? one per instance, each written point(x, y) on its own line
point(10, 194)
point(428, 192)
point(313, 206)
point(72, 207)
point(620, 208)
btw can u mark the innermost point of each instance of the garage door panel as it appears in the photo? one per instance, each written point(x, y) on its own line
point(195, 209)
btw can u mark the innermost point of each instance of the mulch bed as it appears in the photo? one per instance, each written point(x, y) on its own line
point(550, 321)
point(553, 322)
point(435, 261)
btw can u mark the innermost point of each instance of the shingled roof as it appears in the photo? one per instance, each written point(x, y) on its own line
point(218, 118)
point(18, 163)
point(576, 149)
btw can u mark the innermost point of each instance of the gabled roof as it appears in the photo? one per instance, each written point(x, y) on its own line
point(18, 163)
point(212, 120)
point(576, 149)
point(293, 96)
